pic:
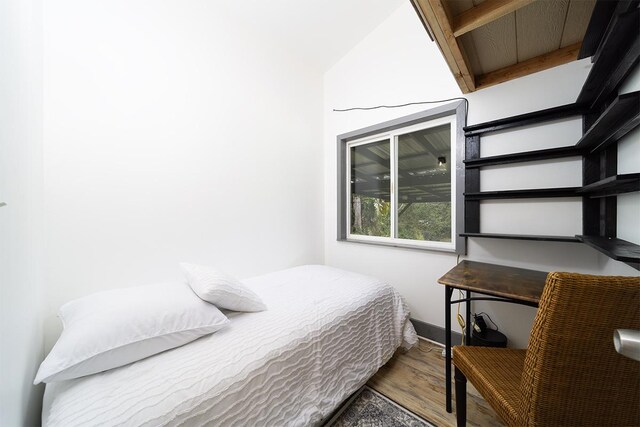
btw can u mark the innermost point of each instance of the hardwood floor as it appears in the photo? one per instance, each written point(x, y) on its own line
point(415, 380)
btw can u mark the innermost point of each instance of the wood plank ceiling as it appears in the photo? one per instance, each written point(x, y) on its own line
point(486, 42)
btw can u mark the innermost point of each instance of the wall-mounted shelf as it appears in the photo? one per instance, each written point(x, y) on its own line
point(612, 186)
point(526, 156)
point(618, 249)
point(616, 121)
point(537, 193)
point(533, 118)
point(607, 117)
point(539, 238)
point(616, 55)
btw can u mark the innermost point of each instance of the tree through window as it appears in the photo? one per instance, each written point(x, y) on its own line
point(400, 184)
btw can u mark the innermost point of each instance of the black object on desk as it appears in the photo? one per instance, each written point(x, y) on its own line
point(498, 283)
point(489, 338)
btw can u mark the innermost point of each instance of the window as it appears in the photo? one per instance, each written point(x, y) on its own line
point(399, 181)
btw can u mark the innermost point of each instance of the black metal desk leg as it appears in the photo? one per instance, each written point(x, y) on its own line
point(467, 332)
point(448, 291)
point(461, 398)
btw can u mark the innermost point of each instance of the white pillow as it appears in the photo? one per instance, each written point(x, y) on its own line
point(113, 328)
point(221, 289)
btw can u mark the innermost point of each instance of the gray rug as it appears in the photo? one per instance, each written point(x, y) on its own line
point(368, 408)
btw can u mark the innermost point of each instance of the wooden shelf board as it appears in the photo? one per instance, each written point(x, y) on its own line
point(602, 14)
point(613, 185)
point(622, 116)
point(615, 56)
point(618, 249)
point(533, 118)
point(527, 156)
point(570, 239)
point(615, 44)
point(537, 193)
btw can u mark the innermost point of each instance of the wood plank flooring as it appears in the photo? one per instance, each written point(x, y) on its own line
point(415, 380)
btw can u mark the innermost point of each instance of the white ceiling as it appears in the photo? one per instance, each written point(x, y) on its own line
point(318, 31)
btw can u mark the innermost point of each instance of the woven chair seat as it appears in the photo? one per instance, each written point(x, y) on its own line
point(496, 373)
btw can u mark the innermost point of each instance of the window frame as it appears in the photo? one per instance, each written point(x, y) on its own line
point(454, 114)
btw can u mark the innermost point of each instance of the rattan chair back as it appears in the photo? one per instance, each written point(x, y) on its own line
point(572, 374)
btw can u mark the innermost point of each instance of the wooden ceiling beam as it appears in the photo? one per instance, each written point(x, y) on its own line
point(438, 20)
point(484, 13)
point(530, 66)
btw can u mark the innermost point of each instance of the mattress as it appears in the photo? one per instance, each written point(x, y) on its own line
point(326, 331)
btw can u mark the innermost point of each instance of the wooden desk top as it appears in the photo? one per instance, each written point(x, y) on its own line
point(496, 280)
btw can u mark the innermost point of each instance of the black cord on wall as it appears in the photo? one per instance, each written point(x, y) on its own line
point(466, 110)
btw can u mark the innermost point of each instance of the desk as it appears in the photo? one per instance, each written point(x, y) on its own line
point(497, 283)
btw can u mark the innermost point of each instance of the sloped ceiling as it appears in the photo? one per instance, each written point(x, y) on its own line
point(486, 42)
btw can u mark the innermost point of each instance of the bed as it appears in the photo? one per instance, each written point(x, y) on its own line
point(326, 331)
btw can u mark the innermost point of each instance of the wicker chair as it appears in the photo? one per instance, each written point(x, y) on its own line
point(570, 375)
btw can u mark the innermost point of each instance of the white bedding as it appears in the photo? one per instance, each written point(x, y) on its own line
point(326, 331)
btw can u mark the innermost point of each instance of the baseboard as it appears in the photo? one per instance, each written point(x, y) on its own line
point(433, 332)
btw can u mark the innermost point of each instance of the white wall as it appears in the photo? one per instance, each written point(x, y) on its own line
point(21, 299)
point(172, 133)
point(628, 220)
point(397, 63)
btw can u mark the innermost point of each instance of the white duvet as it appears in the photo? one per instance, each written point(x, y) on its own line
point(326, 331)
